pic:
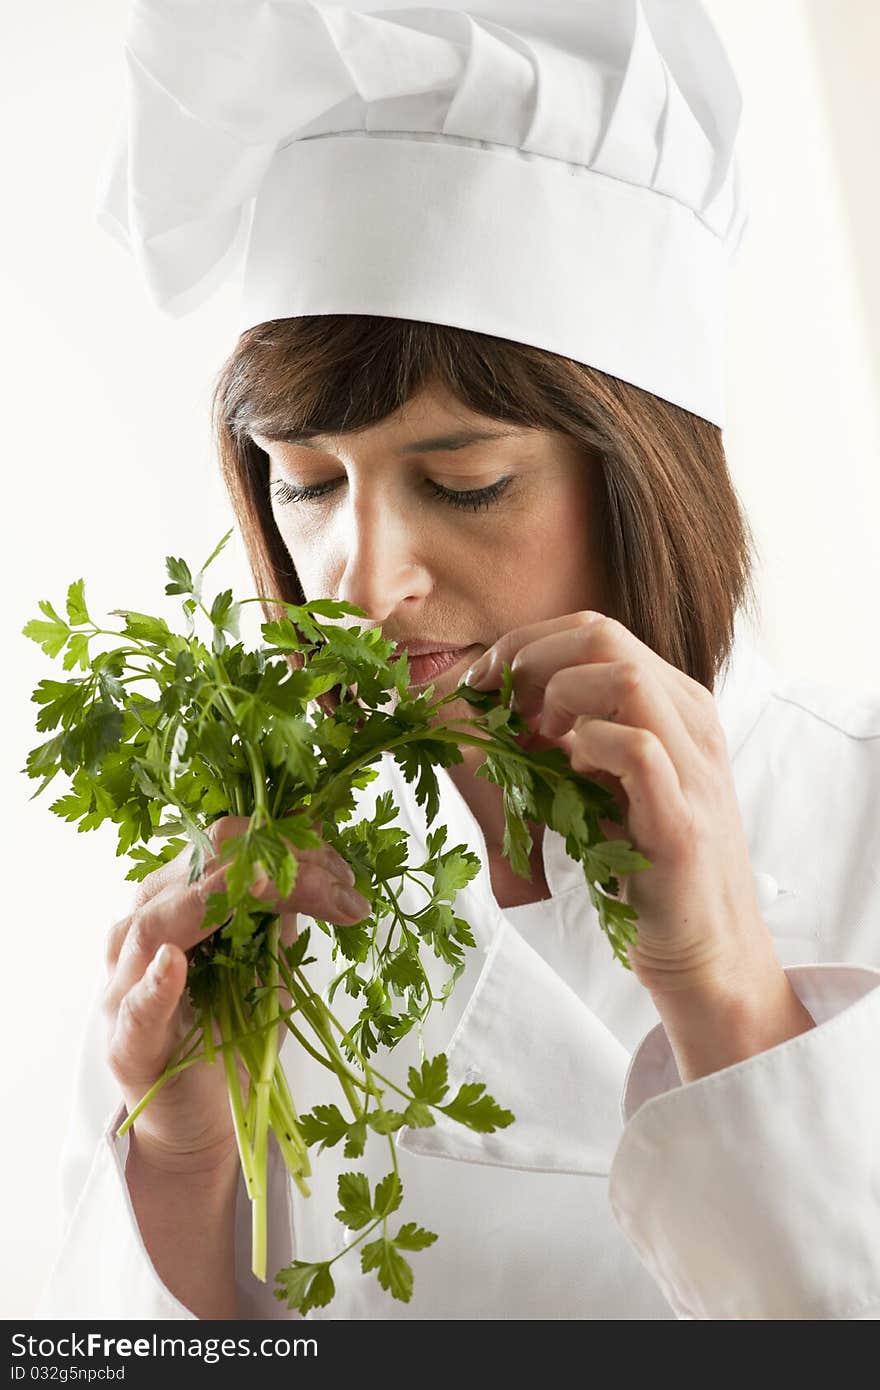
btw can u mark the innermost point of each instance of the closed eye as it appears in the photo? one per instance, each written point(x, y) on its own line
point(472, 499)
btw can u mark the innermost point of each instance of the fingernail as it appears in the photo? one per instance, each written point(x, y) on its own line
point(352, 904)
point(161, 962)
point(548, 725)
point(478, 672)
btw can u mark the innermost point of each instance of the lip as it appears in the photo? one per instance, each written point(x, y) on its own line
point(427, 666)
point(426, 647)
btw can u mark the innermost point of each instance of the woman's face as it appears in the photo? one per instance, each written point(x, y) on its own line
point(383, 535)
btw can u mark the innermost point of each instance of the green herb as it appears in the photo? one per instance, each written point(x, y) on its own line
point(162, 734)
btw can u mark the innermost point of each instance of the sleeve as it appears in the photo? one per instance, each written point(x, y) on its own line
point(754, 1192)
point(102, 1268)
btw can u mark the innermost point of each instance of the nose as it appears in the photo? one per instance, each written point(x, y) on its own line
point(386, 553)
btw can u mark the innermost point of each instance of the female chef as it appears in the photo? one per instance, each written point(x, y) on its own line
point(477, 392)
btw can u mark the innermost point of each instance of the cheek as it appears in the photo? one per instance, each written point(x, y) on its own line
point(296, 525)
point(556, 559)
point(303, 541)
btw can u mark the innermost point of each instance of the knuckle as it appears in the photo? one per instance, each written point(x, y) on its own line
point(712, 739)
point(140, 937)
point(198, 890)
point(595, 624)
point(117, 1058)
point(586, 617)
point(134, 1009)
point(218, 831)
point(592, 629)
point(177, 869)
point(705, 726)
point(644, 748)
point(627, 676)
point(148, 887)
point(223, 829)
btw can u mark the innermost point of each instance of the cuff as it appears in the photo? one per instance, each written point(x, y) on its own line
point(754, 1192)
point(103, 1269)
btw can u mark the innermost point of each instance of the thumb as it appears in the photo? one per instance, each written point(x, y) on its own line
point(144, 1022)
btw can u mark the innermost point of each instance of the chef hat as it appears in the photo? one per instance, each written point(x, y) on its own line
point(556, 172)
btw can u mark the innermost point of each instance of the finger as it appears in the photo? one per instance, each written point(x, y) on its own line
point(177, 870)
point(658, 814)
point(507, 647)
point(621, 693)
point(175, 874)
point(144, 1034)
point(177, 914)
point(193, 899)
point(536, 650)
point(535, 742)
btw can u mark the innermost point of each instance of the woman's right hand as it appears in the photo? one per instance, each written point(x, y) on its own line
point(187, 1125)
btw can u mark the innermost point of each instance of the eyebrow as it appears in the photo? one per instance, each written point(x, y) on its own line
point(441, 443)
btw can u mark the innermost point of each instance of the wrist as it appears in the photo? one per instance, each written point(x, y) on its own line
point(185, 1208)
point(214, 1167)
point(718, 1022)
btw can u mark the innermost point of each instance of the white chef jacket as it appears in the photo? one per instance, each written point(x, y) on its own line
point(618, 1192)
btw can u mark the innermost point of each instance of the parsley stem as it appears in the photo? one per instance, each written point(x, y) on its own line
point(304, 1042)
point(259, 1211)
point(315, 1011)
point(239, 1121)
point(362, 1236)
point(345, 1034)
point(202, 749)
point(208, 1034)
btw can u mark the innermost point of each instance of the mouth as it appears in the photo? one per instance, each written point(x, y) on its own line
point(430, 665)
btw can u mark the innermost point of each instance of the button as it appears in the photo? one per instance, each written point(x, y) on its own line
point(767, 889)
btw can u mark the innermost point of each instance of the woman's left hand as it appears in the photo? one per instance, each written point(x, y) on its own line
point(652, 735)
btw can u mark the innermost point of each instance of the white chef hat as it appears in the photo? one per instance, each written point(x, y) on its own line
point(556, 172)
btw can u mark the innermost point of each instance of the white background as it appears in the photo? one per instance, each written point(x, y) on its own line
point(109, 467)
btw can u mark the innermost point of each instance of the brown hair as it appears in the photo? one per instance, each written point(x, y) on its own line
point(678, 550)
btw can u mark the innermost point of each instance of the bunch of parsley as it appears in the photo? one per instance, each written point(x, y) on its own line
point(163, 734)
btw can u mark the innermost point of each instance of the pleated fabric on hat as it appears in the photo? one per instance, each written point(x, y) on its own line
point(558, 172)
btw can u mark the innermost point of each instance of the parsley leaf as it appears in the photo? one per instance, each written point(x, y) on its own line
point(476, 1110)
point(304, 1286)
point(356, 1208)
point(164, 732)
point(431, 1082)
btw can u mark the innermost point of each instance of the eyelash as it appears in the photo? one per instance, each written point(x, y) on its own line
point(471, 500)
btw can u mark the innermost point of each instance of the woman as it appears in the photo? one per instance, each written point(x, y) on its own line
point(690, 1136)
